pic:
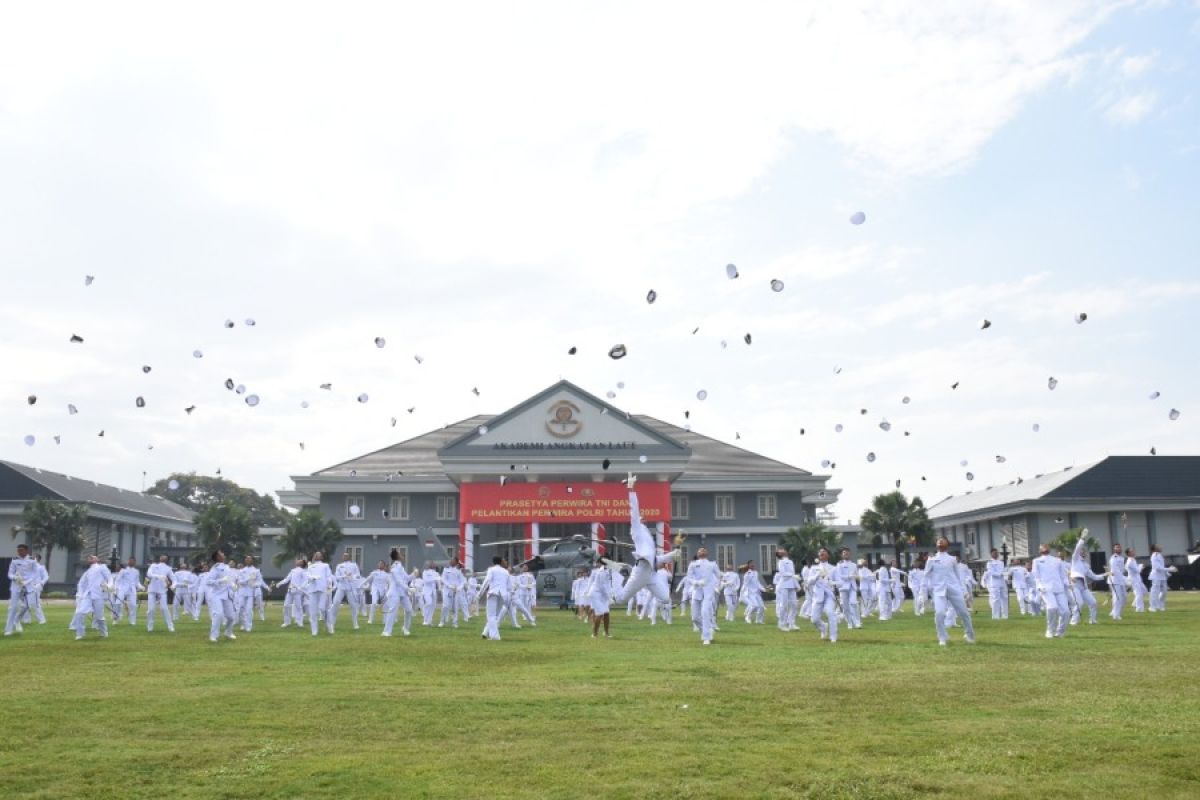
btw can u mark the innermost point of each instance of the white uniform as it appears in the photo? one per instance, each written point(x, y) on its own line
point(949, 594)
point(662, 577)
point(495, 588)
point(599, 590)
point(995, 578)
point(429, 589)
point(22, 574)
point(248, 580)
point(645, 560)
point(786, 588)
point(377, 582)
point(347, 576)
point(1133, 574)
point(867, 588)
point(845, 574)
point(218, 594)
point(821, 589)
point(89, 599)
point(525, 595)
point(129, 583)
point(318, 579)
point(752, 590)
point(1081, 573)
point(293, 601)
point(184, 583)
point(158, 576)
point(704, 577)
point(1047, 571)
point(398, 596)
point(1158, 582)
point(453, 582)
point(35, 595)
point(1116, 584)
point(884, 576)
point(730, 584)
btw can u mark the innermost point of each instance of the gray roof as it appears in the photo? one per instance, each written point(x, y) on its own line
point(1115, 478)
point(419, 455)
point(55, 485)
point(416, 456)
point(712, 458)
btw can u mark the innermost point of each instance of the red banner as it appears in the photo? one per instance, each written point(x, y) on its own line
point(487, 503)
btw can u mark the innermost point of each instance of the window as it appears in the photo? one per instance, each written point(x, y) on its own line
point(679, 506)
point(723, 506)
point(725, 557)
point(683, 558)
point(766, 557)
point(356, 555)
point(356, 506)
point(447, 507)
point(768, 508)
point(399, 507)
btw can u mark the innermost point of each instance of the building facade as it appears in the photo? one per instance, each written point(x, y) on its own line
point(550, 468)
point(1135, 501)
point(121, 523)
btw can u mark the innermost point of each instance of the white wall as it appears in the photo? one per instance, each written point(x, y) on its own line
point(1170, 528)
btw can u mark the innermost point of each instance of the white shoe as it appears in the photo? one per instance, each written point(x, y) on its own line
point(441, 624)
point(941, 644)
point(78, 637)
point(231, 636)
point(385, 633)
point(406, 632)
point(706, 643)
point(212, 639)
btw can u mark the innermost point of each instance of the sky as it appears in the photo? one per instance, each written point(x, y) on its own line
point(486, 185)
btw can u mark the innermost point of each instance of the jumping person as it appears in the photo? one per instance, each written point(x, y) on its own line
point(94, 583)
point(644, 553)
point(945, 582)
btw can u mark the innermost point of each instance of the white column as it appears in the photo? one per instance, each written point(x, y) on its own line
point(662, 536)
point(469, 548)
point(535, 539)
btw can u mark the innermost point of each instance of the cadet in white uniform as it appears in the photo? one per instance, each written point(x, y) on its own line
point(495, 588)
point(398, 597)
point(644, 553)
point(248, 579)
point(920, 590)
point(867, 588)
point(35, 593)
point(218, 585)
point(945, 583)
point(129, 583)
point(730, 584)
point(377, 583)
point(897, 587)
point(995, 578)
point(821, 589)
point(752, 590)
point(705, 576)
point(1047, 571)
point(1133, 575)
point(526, 593)
point(22, 573)
point(599, 593)
point(1158, 579)
point(844, 580)
point(662, 576)
point(157, 578)
point(317, 580)
point(1081, 574)
point(185, 583)
point(884, 576)
point(786, 587)
point(1116, 582)
point(452, 584)
point(293, 601)
point(94, 584)
point(347, 577)
point(429, 589)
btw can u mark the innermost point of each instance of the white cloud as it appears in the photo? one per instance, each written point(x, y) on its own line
point(1130, 109)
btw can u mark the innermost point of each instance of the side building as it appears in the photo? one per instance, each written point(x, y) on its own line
point(121, 523)
point(550, 469)
point(1135, 501)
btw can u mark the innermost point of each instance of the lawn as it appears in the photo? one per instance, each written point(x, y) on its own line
point(1111, 710)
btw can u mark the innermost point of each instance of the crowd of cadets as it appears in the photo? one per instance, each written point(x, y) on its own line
point(841, 594)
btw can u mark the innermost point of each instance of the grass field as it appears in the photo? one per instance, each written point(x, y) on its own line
point(1111, 710)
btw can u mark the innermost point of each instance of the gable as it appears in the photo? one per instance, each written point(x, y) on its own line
point(563, 417)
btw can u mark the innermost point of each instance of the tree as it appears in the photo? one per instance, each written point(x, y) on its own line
point(227, 527)
point(1067, 540)
point(306, 533)
point(48, 524)
point(803, 543)
point(201, 492)
point(893, 515)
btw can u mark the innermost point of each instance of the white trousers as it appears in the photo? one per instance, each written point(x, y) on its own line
point(317, 603)
point(396, 600)
point(946, 602)
point(495, 608)
point(158, 601)
point(331, 613)
point(1118, 600)
point(1083, 596)
point(642, 577)
point(786, 608)
point(1158, 595)
point(824, 604)
point(85, 606)
point(220, 611)
point(850, 606)
point(1058, 611)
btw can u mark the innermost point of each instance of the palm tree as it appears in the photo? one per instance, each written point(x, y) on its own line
point(802, 544)
point(893, 515)
point(1067, 539)
point(306, 533)
point(226, 526)
point(48, 524)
